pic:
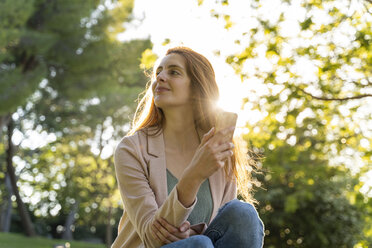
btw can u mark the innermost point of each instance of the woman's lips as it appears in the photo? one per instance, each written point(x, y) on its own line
point(161, 89)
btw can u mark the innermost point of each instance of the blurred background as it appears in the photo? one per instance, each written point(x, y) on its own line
point(299, 73)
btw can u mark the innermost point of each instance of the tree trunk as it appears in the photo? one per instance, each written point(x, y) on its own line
point(22, 210)
point(67, 234)
point(109, 228)
point(4, 120)
point(6, 211)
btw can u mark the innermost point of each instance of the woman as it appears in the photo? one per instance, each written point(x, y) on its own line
point(176, 174)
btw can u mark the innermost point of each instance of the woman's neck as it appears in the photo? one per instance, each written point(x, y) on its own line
point(180, 133)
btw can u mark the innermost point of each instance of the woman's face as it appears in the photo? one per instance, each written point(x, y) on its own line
point(171, 87)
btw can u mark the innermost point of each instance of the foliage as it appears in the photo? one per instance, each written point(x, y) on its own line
point(307, 67)
point(71, 169)
point(148, 59)
point(68, 82)
point(305, 201)
point(70, 43)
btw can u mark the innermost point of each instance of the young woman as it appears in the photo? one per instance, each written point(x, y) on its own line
point(177, 176)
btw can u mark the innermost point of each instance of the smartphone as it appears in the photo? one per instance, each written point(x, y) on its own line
point(226, 119)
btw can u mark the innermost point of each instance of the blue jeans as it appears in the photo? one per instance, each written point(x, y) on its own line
point(237, 224)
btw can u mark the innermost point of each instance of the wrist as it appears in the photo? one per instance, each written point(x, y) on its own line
point(190, 176)
point(187, 189)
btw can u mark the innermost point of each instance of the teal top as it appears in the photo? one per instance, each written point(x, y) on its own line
point(203, 209)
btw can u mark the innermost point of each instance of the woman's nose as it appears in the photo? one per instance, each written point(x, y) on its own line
point(160, 76)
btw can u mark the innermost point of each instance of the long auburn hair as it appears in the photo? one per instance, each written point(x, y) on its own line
point(204, 95)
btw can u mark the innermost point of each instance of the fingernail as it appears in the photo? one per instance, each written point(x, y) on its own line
point(183, 229)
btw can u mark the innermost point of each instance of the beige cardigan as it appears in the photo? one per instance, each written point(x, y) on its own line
point(141, 173)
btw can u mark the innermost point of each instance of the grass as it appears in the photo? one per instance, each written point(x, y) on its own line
point(12, 240)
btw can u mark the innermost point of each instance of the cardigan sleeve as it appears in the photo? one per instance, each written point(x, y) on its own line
point(138, 197)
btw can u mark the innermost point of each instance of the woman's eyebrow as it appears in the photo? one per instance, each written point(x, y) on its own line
point(176, 66)
point(172, 66)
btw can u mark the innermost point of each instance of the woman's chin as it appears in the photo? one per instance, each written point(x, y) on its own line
point(160, 103)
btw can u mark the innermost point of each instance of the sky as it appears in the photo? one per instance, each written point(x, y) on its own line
point(185, 23)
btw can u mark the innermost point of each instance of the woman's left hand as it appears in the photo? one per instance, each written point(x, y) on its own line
point(167, 233)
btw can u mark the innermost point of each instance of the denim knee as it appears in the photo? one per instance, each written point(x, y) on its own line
point(200, 241)
point(241, 212)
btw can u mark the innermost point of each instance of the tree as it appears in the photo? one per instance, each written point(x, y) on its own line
point(70, 45)
point(83, 129)
point(309, 66)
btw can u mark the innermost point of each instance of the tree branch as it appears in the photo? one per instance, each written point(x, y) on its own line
point(322, 98)
point(366, 6)
point(369, 81)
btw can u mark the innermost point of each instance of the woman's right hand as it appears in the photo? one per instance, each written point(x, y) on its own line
point(211, 155)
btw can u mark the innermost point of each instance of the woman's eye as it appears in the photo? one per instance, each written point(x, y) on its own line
point(174, 72)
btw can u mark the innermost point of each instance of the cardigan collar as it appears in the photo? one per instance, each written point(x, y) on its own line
point(155, 142)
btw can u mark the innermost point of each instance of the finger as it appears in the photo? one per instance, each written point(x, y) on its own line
point(226, 130)
point(224, 155)
point(170, 228)
point(221, 163)
point(163, 239)
point(208, 135)
point(176, 231)
point(159, 235)
point(154, 233)
point(165, 233)
point(225, 147)
point(185, 226)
